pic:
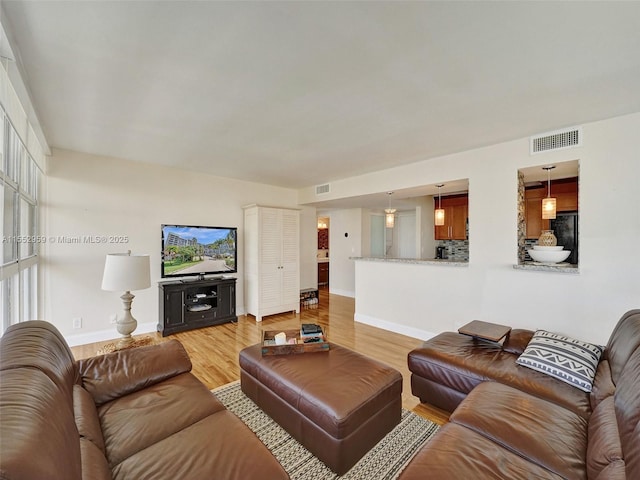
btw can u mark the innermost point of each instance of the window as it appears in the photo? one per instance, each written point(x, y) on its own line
point(19, 181)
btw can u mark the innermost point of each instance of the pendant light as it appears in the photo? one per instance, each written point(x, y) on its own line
point(439, 213)
point(549, 203)
point(390, 214)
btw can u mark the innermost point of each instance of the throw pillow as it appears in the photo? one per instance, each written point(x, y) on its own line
point(568, 360)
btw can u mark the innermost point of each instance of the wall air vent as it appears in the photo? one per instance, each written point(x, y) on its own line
point(322, 189)
point(557, 140)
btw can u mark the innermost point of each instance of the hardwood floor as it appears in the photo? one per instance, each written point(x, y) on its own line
point(214, 350)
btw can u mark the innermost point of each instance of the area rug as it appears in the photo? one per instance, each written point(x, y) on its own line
point(116, 346)
point(384, 462)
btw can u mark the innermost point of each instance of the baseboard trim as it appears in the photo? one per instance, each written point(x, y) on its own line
point(394, 327)
point(342, 293)
point(110, 334)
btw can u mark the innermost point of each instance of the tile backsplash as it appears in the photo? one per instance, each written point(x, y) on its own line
point(457, 249)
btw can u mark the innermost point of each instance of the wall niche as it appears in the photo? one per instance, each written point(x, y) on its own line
point(534, 184)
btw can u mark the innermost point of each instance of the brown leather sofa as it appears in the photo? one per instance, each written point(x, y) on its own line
point(133, 414)
point(510, 422)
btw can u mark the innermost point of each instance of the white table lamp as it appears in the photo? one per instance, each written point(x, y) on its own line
point(125, 272)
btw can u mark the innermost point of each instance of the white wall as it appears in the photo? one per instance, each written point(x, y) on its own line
point(91, 195)
point(308, 248)
point(341, 270)
point(431, 299)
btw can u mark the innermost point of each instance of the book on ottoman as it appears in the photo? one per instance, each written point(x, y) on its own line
point(310, 330)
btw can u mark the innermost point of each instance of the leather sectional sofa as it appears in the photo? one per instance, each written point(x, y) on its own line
point(511, 422)
point(133, 414)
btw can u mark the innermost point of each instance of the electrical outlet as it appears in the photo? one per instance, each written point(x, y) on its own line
point(113, 318)
point(77, 322)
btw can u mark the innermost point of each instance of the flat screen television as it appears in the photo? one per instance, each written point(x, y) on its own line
point(189, 250)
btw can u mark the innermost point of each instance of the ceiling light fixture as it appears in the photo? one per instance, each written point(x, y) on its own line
point(390, 214)
point(548, 204)
point(439, 213)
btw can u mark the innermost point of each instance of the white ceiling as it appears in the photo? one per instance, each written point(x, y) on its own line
point(302, 93)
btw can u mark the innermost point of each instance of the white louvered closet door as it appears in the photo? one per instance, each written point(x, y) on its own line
point(272, 282)
point(290, 257)
point(270, 257)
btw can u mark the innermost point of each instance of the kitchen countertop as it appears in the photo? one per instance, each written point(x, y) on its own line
point(323, 259)
point(416, 261)
point(542, 267)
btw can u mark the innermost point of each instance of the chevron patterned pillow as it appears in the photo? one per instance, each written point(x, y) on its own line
point(570, 361)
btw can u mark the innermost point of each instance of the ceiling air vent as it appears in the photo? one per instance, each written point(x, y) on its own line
point(559, 139)
point(321, 189)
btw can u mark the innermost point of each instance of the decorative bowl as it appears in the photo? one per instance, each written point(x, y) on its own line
point(549, 249)
point(549, 256)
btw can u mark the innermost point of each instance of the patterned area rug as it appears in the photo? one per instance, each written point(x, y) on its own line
point(384, 462)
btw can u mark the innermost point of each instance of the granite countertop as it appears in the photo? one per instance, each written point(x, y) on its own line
point(543, 267)
point(323, 259)
point(417, 261)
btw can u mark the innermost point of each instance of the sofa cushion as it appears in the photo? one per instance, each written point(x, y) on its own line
point(604, 439)
point(110, 376)
point(219, 446)
point(38, 344)
point(86, 416)
point(603, 386)
point(564, 358)
point(38, 435)
point(627, 408)
point(545, 433)
point(94, 463)
point(139, 420)
point(624, 340)
point(456, 452)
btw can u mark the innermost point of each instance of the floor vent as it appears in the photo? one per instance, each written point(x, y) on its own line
point(322, 189)
point(557, 140)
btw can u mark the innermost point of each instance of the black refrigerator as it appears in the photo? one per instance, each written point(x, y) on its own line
point(565, 228)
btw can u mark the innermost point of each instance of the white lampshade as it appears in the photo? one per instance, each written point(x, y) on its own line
point(439, 216)
point(125, 272)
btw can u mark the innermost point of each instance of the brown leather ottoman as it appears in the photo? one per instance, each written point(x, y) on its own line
point(338, 404)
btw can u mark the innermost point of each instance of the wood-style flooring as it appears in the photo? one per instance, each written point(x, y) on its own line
point(214, 350)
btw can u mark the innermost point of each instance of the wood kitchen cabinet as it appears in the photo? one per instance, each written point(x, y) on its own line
point(323, 239)
point(323, 273)
point(456, 208)
point(565, 192)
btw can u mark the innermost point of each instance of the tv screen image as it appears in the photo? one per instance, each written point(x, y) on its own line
point(198, 250)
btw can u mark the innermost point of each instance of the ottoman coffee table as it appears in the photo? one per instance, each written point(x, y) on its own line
point(338, 403)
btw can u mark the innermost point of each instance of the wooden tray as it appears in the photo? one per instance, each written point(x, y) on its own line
point(297, 344)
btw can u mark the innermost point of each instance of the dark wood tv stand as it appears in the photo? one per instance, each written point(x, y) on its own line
point(189, 304)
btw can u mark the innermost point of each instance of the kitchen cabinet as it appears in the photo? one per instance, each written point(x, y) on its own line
point(456, 208)
point(272, 260)
point(323, 273)
point(533, 215)
point(323, 239)
point(565, 192)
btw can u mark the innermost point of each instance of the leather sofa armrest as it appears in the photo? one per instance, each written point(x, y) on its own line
point(518, 341)
point(116, 374)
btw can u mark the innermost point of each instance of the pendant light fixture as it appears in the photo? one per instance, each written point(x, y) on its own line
point(439, 213)
point(549, 203)
point(390, 214)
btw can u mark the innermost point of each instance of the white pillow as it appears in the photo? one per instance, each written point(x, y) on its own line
point(570, 361)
